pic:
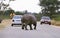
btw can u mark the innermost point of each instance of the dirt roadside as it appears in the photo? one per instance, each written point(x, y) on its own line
point(5, 23)
point(56, 23)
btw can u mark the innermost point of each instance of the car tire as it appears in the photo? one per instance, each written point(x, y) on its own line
point(41, 23)
point(12, 25)
point(49, 23)
point(0, 21)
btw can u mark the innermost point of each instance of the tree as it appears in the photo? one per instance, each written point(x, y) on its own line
point(19, 13)
point(4, 6)
point(49, 7)
point(25, 11)
point(8, 12)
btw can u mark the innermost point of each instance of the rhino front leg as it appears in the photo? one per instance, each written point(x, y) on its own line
point(26, 27)
point(23, 26)
point(30, 27)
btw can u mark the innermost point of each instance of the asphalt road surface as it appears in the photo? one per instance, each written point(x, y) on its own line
point(43, 31)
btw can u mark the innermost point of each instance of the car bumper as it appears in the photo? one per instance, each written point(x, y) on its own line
point(16, 23)
point(45, 22)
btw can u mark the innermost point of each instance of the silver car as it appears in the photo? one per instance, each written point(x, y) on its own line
point(16, 20)
point(46, 20)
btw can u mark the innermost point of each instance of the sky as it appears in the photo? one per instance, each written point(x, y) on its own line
point(22, 5)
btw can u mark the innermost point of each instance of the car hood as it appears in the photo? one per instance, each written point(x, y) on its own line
point(16, 19)
point(44, 20)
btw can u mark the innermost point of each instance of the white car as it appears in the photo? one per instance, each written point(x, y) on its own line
point(46, 20)
point(16, 20)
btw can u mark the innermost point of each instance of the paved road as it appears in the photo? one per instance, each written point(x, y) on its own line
point(43, 31)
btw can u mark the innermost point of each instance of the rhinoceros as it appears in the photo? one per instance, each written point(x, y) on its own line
point(29, 19)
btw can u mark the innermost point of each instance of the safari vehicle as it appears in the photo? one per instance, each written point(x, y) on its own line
point(16, 20)
point(46, 20)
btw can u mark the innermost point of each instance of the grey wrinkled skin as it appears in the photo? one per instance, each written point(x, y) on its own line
point(28, 19)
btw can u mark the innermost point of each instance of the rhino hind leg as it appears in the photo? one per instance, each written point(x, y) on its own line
point(34, 26)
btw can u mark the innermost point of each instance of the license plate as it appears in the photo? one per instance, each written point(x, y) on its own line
point(17, 20)
point(45, 22)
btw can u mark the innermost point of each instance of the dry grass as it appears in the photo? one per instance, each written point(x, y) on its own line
point(2, 26)
point(5, 23)
point(57, 23)
point(53, 22)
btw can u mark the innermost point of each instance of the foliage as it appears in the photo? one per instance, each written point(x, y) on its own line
point(8, 12)
point(19, 13)
point(49, 7)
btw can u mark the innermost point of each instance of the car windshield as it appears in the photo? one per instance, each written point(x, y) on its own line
point(47, 18)
point(16, 17)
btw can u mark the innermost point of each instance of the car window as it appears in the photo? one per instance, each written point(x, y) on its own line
point(17, 17)
point(47, 18)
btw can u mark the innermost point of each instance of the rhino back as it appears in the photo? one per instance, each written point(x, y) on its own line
point(28, 18)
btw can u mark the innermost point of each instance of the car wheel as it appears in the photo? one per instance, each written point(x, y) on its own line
point(49, 23)
point(12, 25)
point(0, 21)
point(41, 23)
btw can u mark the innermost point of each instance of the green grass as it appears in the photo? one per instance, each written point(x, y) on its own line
point(57, 18)
point(4, 17)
